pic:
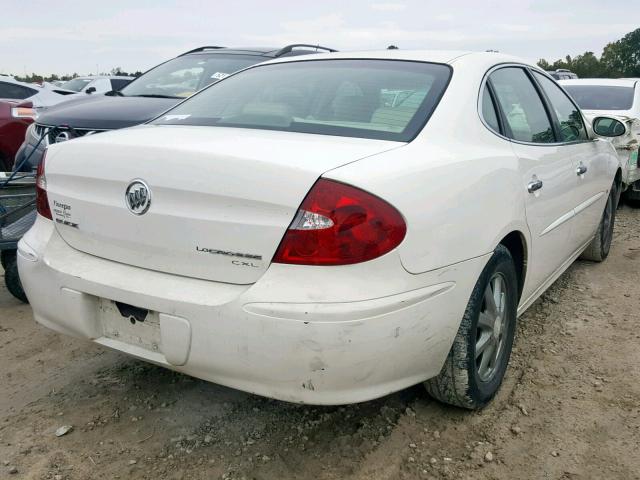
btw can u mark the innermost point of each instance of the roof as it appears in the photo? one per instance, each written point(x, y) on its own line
point(273, 52)
point(97, 77)
point(434, 56)
point(611, 82)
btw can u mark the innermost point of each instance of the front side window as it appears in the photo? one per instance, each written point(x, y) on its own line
point(381, 99)
point(119, 83)
point(569, 117)
point(183, 76)
point(601, 97)
point(525, 114)
point(76, 85)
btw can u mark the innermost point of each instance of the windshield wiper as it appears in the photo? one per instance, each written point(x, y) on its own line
point(114, 93)
point(154, 95)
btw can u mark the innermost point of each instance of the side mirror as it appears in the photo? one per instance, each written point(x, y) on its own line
point(90, 90)
point(608, 127)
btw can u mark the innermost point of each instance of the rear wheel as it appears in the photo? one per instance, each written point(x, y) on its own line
point(477, 361)
point(598, 249)
point(4, 257)
point(12, 278)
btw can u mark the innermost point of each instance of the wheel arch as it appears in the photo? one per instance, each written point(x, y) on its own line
point(619, 187)
point(516, 242)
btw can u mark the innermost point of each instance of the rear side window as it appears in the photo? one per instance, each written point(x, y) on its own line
point(378, 99)
point(569, 117)
point(17, 92)
point(489, 111)
point(526, 117)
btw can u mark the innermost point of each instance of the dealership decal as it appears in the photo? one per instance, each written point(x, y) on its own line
point(62, 214)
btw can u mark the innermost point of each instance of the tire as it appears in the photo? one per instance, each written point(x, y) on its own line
point(4, 257)
point(4, 164)
point(463, 382)
point(598, 249)
point(12, 279)
point(632, 196)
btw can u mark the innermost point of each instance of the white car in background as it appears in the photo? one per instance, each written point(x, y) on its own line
point(619, 98)
point(95, 84)
point(41, 96)
point(326, 229)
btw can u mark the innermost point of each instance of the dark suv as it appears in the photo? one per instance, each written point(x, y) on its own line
point(145, 97)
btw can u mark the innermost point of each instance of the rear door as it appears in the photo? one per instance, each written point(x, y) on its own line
point(590, 185)
point(547, 170)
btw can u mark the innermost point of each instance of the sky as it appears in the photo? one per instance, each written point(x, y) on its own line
point(67, 36)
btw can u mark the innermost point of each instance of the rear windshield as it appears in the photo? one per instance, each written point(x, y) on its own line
point(183, 76)
point(601, 97)
point(380, 99)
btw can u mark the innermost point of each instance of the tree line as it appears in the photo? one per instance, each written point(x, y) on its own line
point(35, 78)
point(619, 59)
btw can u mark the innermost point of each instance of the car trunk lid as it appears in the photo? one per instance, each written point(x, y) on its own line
point(221, 198)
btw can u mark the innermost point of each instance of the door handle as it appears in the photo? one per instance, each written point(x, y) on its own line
point(581, 170)
point(534, 185)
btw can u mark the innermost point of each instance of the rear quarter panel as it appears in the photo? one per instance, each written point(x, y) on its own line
point(457, 184)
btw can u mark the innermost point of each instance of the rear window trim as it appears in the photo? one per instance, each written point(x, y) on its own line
point(419, 127)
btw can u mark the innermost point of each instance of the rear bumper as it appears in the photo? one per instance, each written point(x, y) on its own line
point(318, 335)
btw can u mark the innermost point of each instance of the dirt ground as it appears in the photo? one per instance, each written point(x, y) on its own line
point(569, 408)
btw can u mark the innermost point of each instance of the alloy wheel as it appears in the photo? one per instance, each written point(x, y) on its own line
point(492, 328)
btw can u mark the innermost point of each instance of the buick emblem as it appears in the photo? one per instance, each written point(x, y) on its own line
point(138, 197)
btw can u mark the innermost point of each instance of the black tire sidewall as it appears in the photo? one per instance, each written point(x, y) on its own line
point(4, 257)
point(12, 279)
point(605, 247)
point(501, 262)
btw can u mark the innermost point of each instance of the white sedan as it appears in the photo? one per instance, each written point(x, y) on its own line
point(326, 230)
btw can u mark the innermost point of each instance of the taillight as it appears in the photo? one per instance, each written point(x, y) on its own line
point(24, 112)
point(42, 202)
point(338, 224)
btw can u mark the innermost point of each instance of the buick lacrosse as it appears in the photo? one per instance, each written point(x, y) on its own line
point(327, 230)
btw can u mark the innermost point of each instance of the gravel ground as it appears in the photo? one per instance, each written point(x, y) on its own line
point(569, 408)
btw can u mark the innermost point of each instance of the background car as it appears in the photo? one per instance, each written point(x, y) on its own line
point(15, 117)
point(41, 96)
point(326, 230)
point(94, 84)
point(562, 74)
point(147, 96)
point(619, 98)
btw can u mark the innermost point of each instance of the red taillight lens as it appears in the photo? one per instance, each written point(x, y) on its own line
point(338, 224)
point(42, 202)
